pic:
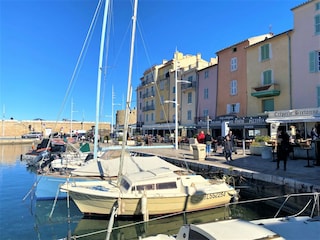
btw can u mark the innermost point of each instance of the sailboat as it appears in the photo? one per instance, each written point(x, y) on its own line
point(154, 191)
point(102, 165)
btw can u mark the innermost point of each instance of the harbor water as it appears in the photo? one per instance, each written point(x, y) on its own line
point(22, 217)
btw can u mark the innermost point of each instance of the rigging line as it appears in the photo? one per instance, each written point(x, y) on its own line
point(106, 60)
point(122, 44)
point(83, 50)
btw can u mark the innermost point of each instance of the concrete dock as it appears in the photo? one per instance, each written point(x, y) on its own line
point(300, 174)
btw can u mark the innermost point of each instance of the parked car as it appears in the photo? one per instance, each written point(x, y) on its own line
point(32, 135)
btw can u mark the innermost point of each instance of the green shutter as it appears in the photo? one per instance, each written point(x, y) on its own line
point(267, 77)
point(317, 24)
point(268, 105)
point(312, 61)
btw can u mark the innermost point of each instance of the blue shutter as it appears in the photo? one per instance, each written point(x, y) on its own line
point(312, 61)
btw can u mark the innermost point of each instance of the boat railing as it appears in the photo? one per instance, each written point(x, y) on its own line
point(314, 201)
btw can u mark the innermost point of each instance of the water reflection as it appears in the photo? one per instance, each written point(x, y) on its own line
point(133, 229)
point(10, 153)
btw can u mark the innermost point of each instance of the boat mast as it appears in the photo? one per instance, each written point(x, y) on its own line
point(100, 69)
point(128, 101)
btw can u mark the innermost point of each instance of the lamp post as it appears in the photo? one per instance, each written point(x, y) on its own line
point(208, 121)
point(176, 103)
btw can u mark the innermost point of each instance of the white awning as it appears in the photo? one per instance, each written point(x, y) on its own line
point(293, 119)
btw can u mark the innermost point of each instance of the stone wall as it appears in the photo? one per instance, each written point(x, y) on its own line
point(15, 128)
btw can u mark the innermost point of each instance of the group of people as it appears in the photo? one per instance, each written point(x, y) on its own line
point(283, 144)
point(228, 143)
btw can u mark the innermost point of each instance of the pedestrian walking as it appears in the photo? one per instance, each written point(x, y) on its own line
point(228, 148)
point(283, 148)
point(233, 141)
point(208, 140)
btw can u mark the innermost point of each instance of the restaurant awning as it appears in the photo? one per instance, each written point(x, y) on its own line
point(293, 119)
point(294, 115)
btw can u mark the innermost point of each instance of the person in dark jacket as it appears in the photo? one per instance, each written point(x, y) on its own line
point(228, 148)
point(283, 148)
point(208, 141)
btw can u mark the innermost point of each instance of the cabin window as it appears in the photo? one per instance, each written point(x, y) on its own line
point(166, 185)
point(145, 187)
point(125, 184)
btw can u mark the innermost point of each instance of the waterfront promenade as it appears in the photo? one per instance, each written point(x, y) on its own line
point(297, 175)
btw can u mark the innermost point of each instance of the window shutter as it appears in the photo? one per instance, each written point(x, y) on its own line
point(312, 61)
point(228, 108)
point(317, 24)
point(237, 107)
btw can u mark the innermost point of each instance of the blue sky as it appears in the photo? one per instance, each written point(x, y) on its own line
point(40, 42)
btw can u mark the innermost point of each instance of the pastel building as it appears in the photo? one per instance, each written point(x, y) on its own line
point(305, 56)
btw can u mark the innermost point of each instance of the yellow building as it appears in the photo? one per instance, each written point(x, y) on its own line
point(268, 75)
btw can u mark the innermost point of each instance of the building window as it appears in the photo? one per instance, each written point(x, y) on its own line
point(233, 64)
point(189, 97)
point(317, 24)
point(174, 89)
point(206, 93)
point(152, 116)
point(190, 78)
point(147, 118)
point(314, 61)
point(265, 52)
point(268, 105)
point(161, 99)
point(206, 74)
point(189, 115)
point(140, 94)
point(317, 6)
point(140, 105)
point(161, 115)
point(267, 77)
point(161, 85)
point(233, 108)
point(233, 87)
point(205, 112)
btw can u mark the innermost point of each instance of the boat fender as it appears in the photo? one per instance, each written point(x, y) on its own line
point(235, 197)
point(121, 205)
point(144, 204)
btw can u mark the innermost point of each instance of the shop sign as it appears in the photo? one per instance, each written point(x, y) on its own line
point(295, 113)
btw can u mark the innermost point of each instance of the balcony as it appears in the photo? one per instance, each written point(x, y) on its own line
point(148, 108)
point(269, 90)
point(186, 86)
point(148, 94)
point(146, 82)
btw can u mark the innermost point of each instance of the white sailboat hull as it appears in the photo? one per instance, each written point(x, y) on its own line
point(190, 195)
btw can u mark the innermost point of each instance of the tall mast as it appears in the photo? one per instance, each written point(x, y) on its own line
point(100, 69)
point(128, 101)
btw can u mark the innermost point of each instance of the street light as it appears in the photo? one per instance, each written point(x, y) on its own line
point(208, 121)
point(176, 103)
